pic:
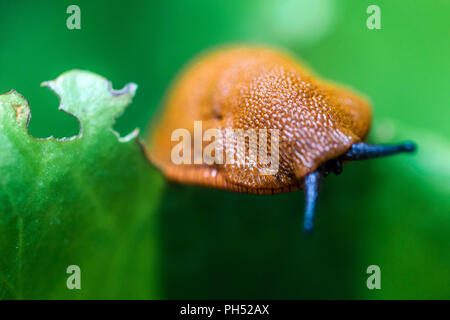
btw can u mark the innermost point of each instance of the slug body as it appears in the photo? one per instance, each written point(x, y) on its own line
point(247, 88)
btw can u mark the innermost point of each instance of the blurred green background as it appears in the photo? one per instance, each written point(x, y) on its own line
point(392, 212)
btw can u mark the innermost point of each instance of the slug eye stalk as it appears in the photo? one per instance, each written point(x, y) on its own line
point(358, 151)
point(362, 151)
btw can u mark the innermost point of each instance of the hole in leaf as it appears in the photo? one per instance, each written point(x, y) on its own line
point(136, 115)
point(47, 120)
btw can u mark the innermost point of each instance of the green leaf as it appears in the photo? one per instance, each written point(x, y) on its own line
point(87, 200)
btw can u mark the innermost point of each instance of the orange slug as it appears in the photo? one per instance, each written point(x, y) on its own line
point(265, 94)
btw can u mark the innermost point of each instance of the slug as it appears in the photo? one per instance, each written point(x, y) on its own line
point(262, 93)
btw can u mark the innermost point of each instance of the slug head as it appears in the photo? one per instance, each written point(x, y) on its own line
point(319, 124)
point(259, 88)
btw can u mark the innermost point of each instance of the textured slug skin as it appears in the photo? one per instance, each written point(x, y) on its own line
point(257, 88)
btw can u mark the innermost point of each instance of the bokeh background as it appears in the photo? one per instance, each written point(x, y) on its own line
point(392, 212)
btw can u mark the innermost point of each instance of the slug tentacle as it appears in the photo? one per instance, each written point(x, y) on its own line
point(312, 182)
